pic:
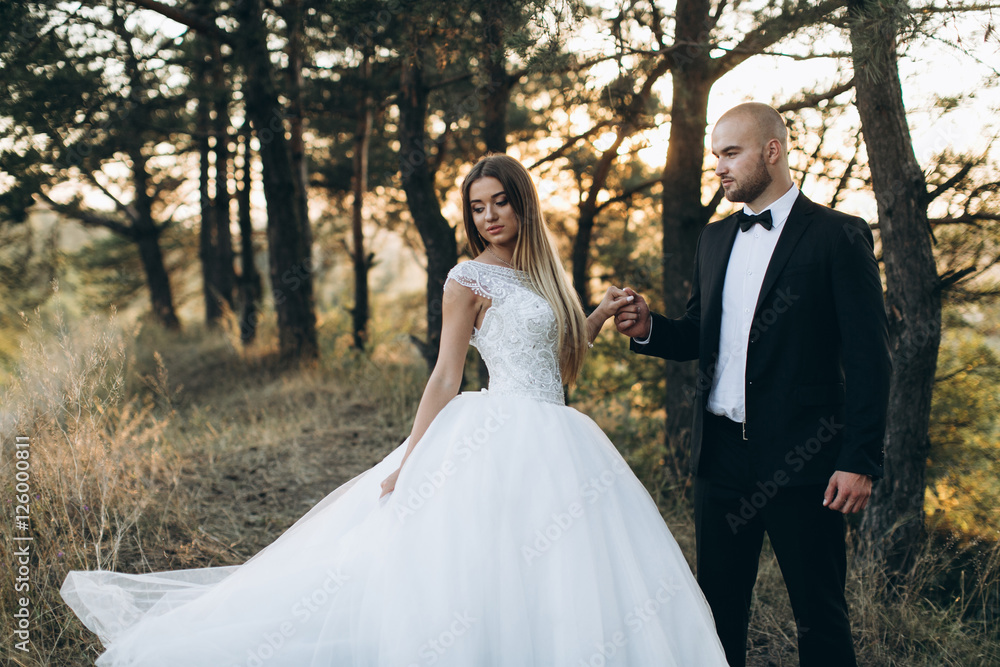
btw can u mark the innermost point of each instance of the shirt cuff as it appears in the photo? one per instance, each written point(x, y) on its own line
point(648, 336)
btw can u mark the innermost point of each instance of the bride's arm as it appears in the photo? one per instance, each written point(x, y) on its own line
point(460, 307)
point(613, 299)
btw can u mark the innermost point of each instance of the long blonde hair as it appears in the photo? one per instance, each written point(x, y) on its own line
point(533, 253)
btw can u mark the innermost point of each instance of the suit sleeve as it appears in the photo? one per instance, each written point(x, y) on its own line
point(865, 352)
point(677, 339)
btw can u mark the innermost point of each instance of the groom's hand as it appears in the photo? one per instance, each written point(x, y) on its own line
point(848, 492)
point(633, 319)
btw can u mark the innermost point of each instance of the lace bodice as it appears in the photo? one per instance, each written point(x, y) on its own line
point(518, 339)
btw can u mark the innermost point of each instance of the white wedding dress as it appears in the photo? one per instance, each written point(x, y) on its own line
point(516, 536)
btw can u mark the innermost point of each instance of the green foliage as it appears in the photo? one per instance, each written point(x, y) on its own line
point(108, 272)
point(964, 465)
point(111, 272)
point(54, 86)
point(29, 265)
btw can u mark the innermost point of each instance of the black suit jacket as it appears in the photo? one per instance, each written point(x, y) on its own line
point(818, 360)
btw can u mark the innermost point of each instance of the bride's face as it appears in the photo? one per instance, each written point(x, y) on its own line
point(491, 211)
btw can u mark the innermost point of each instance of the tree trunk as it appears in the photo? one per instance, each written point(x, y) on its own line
point(224, 273)
point(362, 261)
point(288, 232)
point(144, 230)
point(498, 82)
point(894, 520)
point(293, 75)
point(418, 183)
point(684, 216)
point(249, 279)
point(580, 258)
point(147, 237)
point(206, 69)
point(588, 215)
point(157, 279)
point(207, 233)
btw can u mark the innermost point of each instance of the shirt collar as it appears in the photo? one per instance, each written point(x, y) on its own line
point(780, 207)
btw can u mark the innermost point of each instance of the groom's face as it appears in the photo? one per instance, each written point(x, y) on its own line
point(741, 167)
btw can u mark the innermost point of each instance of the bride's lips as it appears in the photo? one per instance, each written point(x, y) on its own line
point(494, 229)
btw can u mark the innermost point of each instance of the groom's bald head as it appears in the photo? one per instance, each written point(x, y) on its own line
point(762, 121)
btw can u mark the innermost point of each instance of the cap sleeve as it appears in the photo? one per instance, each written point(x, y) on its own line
point(468, 275)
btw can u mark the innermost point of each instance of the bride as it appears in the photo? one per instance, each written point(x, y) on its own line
point(506, 531)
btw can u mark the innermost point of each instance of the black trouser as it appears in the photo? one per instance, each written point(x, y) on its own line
point(733, 509)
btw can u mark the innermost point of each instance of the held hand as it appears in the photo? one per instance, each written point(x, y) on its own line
point(633, 320)
point(614, 299)
point(389, 483)
point(848, 492)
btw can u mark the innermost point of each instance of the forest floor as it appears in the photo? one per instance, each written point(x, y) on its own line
point(179, 452)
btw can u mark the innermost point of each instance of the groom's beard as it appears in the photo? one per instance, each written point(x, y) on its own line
point(753, 186)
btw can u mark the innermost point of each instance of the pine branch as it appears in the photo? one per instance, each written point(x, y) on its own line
point(949, 279)
point(450, 80)
point(713, 205)
point(516, 75)
point(120, 205)
point(950, 183)
point(569, 143)
point(968, 218)
point(89, 218)
point(770, 32)
point(807, 56)
point(717, 14)
point(846, 176)
point(656, 25)
point(207, 28)
point(626, 194)
point(810, 100)
point(955, 9)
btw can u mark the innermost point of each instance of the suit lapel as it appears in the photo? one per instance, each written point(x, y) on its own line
point(798, 220)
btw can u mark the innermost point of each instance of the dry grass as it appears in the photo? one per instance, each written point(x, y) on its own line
point(152, 451)
point(919, 624)
point(943, 613)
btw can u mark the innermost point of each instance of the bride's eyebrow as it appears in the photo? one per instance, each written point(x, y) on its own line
point(501, 193)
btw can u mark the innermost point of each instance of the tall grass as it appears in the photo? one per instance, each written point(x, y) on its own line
point(94, 451)
point(153, 450)
point(942, 613)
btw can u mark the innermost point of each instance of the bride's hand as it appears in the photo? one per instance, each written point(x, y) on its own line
point(389, 483)
point(612, 302)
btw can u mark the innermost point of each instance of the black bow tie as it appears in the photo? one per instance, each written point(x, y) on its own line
point(747, 221)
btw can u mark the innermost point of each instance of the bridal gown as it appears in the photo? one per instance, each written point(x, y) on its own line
point(516, 536)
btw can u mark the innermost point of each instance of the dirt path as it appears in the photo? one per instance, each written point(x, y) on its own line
point(256, 450)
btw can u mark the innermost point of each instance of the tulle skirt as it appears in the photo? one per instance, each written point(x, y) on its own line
point(516, 536)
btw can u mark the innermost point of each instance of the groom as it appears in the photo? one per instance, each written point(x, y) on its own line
point(787, 321)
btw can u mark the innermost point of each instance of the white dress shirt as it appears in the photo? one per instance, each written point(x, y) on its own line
point(748, 262)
